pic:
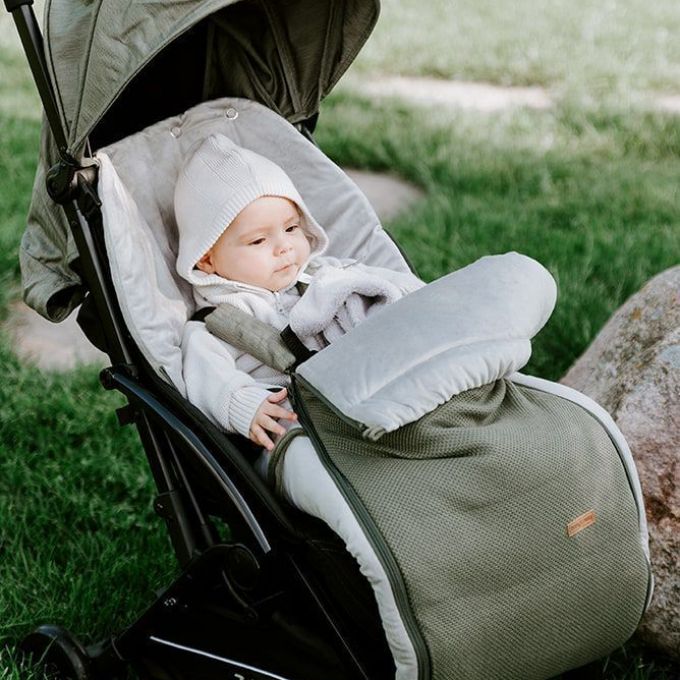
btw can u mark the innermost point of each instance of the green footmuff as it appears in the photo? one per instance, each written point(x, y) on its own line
point(507, 525)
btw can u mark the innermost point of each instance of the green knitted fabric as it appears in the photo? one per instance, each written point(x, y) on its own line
point(473, 501)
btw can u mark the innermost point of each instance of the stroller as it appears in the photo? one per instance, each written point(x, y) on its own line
point(281, 597)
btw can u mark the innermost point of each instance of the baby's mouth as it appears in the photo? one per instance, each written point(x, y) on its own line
point(281, 269)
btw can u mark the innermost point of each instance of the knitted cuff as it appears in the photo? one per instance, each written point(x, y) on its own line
point(243, 405)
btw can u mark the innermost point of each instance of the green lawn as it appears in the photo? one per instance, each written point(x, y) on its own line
point(591, 191)
point(589, 48)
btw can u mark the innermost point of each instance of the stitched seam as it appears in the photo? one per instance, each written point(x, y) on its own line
point(190, 24)
point(76, 118)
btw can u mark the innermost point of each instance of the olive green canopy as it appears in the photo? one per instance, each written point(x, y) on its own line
point(286, 54)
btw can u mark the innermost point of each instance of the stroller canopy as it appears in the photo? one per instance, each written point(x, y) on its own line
point(284, 54)
point(117, 67)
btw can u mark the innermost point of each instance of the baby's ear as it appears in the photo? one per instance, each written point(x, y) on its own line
point(205, 264)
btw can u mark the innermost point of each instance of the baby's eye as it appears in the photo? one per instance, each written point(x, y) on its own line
point(293, 227)
point(256, 242)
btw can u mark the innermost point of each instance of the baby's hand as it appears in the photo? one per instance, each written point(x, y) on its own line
point(265, 419)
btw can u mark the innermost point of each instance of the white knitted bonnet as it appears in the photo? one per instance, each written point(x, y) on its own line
point(215, 184)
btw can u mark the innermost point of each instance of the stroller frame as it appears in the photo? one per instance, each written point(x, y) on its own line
point(260, 593)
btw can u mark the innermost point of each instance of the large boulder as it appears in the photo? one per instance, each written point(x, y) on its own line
point(633, 370)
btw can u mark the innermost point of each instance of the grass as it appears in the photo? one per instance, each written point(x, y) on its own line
point(590, 191)
point(18, 96)
point(616, 49)
point(74, 507)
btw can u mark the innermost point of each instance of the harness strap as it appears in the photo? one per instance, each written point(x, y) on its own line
point(241, 330)
point(295, 345)
point(282, 351)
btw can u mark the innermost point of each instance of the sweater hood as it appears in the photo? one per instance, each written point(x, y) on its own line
point(218, 181)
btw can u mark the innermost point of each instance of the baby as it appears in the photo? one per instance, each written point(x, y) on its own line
point(247, 238)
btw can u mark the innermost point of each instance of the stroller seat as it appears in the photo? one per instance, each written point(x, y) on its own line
point(140, 224)
point(137, 178)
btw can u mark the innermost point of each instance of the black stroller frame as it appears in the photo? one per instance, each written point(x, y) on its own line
point(262, 603)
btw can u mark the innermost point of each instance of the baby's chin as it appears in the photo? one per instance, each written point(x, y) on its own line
point(281, 280)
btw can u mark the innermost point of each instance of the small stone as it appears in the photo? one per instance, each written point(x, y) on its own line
point(633, 370)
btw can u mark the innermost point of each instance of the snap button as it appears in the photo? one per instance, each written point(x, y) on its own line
point(231, 113)
point(176, 132)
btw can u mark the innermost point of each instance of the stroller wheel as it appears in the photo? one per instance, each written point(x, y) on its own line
point(57, 653)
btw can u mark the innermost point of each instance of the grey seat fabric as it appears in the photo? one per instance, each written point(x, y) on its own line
point(137, 180)
point(148, 164)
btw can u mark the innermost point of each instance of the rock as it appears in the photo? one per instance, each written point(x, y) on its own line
point(633, 370)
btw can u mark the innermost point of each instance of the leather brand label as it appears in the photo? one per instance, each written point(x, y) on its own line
point(580, 523)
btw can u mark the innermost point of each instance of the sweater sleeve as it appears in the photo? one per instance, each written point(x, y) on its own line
point(226, 395)
point(404, 281)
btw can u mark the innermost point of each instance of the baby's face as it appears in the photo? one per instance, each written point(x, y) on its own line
point(264, 245)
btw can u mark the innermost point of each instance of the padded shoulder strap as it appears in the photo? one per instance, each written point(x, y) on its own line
point(251, 335)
